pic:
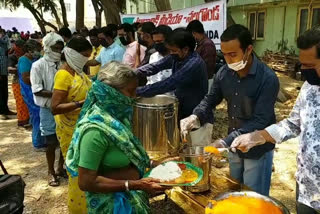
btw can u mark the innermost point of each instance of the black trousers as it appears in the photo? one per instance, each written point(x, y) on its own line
point(302, 208)
point(4, 94)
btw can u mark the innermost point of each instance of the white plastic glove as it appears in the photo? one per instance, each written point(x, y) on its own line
point(187, 124)
point(246, 141)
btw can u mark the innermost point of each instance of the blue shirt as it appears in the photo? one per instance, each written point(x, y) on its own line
point(113, 52)
point(189, 80)
point(250, 101)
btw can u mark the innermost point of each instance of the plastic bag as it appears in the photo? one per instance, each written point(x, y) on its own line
point(201, 136)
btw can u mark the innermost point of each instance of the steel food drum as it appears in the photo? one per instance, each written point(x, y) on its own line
point(252, 194)
point(196, 156)
point(155, 123)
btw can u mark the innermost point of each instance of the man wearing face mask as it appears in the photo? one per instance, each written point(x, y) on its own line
point(304, 121)
point(116, 37)
point(127, 38)
point(205, 47)
point(189, 79)
point(42, 80)
point(110, 51)
point(250, 89)
point(145, 39)
point(159, 36)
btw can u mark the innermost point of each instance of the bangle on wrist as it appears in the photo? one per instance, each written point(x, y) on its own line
point(126, 184)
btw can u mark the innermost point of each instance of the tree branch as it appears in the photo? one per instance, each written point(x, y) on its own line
point(64, 13)
point(55, 13)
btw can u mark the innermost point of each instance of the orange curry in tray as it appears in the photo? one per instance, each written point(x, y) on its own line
point(188, 175)
point(242, 205)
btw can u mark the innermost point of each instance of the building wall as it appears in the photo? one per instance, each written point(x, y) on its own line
point(280, 24)
point(248, 2)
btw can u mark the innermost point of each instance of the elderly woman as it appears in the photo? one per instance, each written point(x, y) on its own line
point(71, 85)
point(109, 160)
point(32, 50)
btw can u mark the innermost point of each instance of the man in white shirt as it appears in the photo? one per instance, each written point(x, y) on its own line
point(161, 33)
point(304, 121)
point(42, 80)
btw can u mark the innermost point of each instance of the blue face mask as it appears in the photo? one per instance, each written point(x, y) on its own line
point(311, 76)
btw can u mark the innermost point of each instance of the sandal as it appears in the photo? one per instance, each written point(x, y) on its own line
point(53, 181)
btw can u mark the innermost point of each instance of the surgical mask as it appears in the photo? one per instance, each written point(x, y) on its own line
point(311, 76)
point(124, 40)
point(238, 66)
point(161, 48)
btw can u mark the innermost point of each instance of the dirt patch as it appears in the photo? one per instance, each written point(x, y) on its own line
point(19, 158)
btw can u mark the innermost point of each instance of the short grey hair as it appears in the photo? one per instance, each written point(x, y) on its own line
point(116, 74)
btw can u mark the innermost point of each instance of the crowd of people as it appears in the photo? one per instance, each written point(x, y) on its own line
point(77, 90)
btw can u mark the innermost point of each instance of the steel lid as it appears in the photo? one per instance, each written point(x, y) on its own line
point(159, 101)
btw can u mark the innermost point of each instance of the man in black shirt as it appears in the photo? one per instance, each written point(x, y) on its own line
point(250, 88)
point(145, 39)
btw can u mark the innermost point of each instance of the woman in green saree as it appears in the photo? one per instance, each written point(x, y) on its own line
point(109, 160)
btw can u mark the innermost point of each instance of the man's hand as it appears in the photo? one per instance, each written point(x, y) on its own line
point(187, 124)
point(246, 141)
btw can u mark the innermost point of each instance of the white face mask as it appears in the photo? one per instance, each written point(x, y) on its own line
point(238, 66)
point(56, 57)
point(75, 60)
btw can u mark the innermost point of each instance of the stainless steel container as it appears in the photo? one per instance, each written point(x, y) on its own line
point(197, 156)
point(155, 123)
point(254, 195)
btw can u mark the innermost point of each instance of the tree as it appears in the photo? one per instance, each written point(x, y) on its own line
point(37, 8)
point(80, 14)
point(50, 6)
point(98, 8)
point(112, 9)
point(64, 13)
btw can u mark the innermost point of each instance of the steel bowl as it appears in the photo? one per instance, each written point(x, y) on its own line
point(254, 195)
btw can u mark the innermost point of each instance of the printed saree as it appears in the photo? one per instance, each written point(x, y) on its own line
point(110, 111)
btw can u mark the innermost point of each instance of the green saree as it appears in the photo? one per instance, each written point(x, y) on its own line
point(110, 111)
